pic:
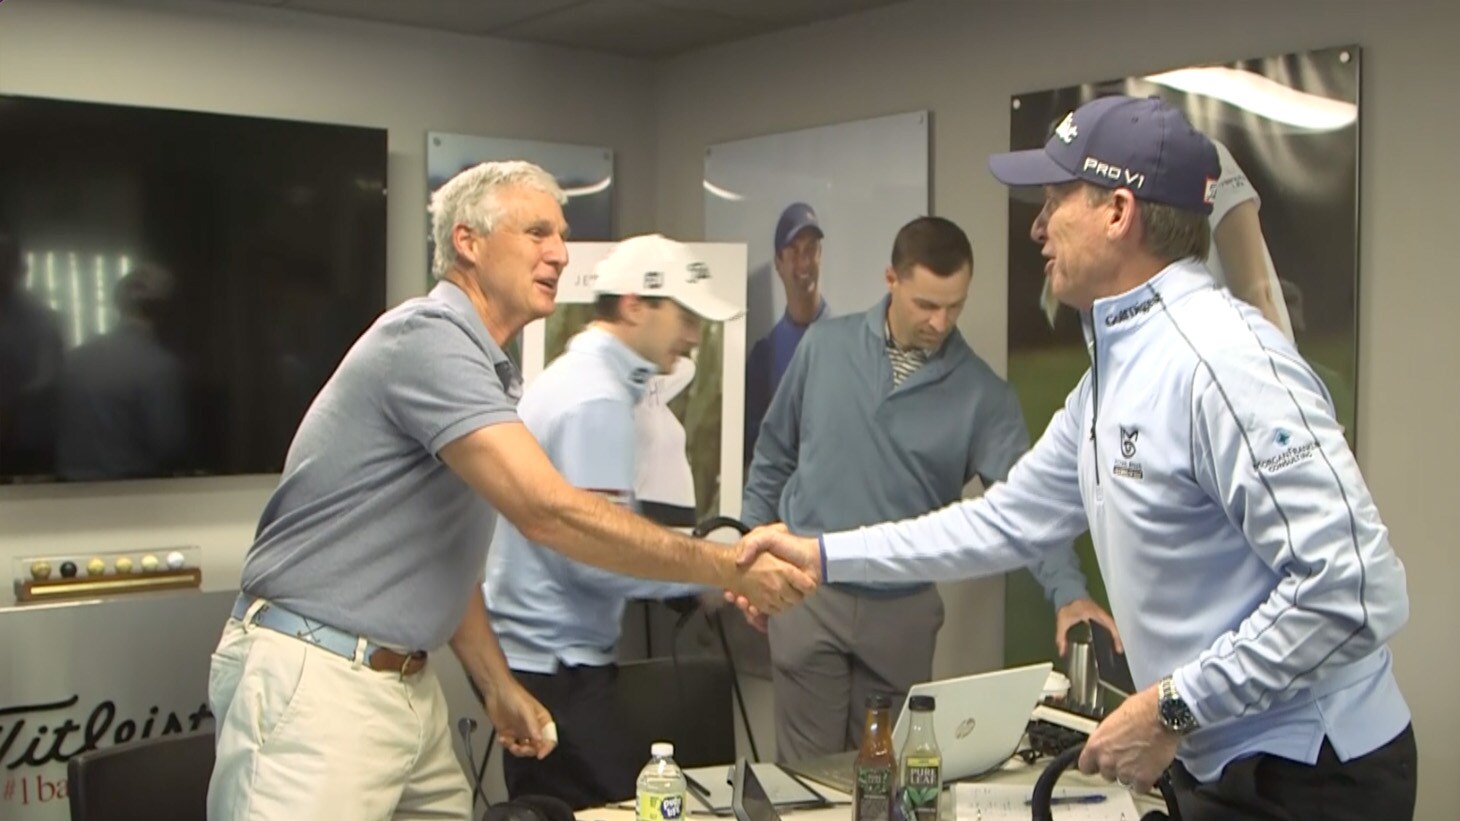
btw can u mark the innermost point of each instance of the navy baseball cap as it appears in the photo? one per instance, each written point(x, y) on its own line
point(1142, 144)
point(797, 217)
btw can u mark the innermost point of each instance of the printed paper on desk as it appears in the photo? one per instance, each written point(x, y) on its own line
point(1006, 802)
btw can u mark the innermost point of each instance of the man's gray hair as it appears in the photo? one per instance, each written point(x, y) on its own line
point(470, 199)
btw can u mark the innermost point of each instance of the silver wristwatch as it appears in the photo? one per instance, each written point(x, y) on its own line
point(1173, 711)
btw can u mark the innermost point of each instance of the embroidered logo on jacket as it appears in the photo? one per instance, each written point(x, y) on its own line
point(1127, 467)
point(1131, 312)
point(1291, 455)
point(1128, 437)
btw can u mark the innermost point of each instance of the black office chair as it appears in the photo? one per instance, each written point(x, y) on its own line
point(686, 701)
point(164, 777)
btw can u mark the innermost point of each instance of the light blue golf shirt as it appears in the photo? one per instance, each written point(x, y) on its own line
point(547, 609)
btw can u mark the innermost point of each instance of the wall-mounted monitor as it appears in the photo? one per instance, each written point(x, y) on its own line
point(175, 286)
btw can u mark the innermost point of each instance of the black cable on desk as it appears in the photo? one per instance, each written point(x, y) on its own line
point(701, 530)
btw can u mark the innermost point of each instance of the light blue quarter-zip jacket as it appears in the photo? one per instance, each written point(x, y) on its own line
point(1240, 547)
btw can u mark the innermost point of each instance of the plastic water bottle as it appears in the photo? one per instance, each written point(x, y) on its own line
point(662, 791)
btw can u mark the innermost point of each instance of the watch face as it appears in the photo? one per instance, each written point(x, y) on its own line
point(1175, 716)
point(1174, 712)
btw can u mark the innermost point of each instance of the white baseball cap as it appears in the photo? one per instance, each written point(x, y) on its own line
point(652, 265)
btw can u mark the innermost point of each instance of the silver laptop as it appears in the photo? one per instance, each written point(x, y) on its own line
point(978, 721)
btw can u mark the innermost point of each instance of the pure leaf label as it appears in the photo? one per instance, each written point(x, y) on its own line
point(874, 798)
point(876, 781)
point(923, 776)
point(920, 796)
point(921, 785)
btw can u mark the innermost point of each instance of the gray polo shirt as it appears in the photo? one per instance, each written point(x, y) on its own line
point(368, 531)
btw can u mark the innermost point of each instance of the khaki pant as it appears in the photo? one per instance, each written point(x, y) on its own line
point(306, 734)
point(837, 648)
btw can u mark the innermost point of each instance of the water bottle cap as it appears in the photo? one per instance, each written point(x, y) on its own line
point(661, 749)
point(921, 703)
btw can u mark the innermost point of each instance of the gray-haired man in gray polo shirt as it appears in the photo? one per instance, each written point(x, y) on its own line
point(370, 551)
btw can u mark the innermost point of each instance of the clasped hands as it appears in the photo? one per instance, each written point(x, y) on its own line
point(775, 570)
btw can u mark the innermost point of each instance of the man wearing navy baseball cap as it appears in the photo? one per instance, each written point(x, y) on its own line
point(1144, 148)
point(1246, 563)
point(797, 249)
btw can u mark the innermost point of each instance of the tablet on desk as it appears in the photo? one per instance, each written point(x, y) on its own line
point(713, 788)
point(749, 799)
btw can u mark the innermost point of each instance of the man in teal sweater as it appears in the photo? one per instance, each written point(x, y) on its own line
point(905, 415)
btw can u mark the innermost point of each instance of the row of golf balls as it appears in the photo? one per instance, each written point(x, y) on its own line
point(97, 567)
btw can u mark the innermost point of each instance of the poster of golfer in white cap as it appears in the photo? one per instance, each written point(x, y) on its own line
point(687, 416)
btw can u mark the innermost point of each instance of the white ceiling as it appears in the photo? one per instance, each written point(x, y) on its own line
point(634, 28)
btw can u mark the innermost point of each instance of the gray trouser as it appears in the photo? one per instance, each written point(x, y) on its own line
point(834, 650)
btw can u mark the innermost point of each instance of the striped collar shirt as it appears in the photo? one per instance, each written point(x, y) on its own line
point(904, 360)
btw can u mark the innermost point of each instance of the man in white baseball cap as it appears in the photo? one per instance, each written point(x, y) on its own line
point(558, 620)
point(653, 266)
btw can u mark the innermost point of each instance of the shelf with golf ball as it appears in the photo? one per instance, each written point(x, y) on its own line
point(65, 577)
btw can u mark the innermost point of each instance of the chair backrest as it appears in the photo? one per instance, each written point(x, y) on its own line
point(164, 777)
point(688, 703)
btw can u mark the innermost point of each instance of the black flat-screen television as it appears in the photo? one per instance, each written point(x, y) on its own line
point(176, 286)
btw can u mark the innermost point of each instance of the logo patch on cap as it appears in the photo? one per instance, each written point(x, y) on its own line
point(1209, 196)
point(1066, 130)
point(653, 279)
point(1116, 174)
point(698, 271)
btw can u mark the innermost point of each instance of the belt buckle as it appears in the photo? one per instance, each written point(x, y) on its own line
point(406, 659)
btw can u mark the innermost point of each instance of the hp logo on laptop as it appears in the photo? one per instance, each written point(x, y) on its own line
point(964, 728)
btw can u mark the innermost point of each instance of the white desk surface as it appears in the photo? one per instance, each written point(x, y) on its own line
point(1014, 772)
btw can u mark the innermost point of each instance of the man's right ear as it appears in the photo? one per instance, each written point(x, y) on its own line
point(462, 238)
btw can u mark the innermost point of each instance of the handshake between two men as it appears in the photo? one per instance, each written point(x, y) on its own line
point(779, 570)
point(773, 555)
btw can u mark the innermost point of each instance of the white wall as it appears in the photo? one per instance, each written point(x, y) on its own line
point(963, 60)
point(267, 62)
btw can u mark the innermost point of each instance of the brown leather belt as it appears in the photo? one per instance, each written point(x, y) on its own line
point(389, 661)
